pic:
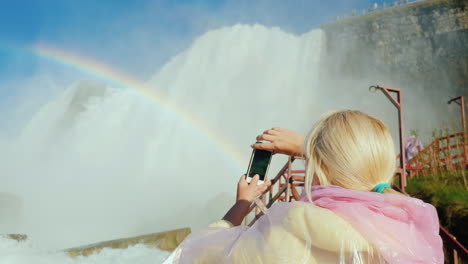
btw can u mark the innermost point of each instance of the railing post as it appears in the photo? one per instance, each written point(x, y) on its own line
point(448, 158)
point(460, 100)
point(434, 160)
point(280, 181)
point(465, 143)
point(465, 148)
point(288, 181)
point(398, 103)
point(270, 193)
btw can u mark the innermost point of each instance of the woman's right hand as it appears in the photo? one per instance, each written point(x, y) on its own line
point(281, 140)
point(248, 192)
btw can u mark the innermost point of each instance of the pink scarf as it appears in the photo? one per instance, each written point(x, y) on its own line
point(402, 229)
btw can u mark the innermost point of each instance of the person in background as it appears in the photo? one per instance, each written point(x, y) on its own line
point(348, 213)
point(412, 147)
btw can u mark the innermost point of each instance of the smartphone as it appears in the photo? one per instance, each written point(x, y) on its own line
point(259, 163)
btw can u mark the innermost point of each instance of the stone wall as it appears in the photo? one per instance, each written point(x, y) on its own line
point(424, 44)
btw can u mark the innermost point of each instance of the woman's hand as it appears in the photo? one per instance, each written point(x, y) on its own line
point(248, 192)
point(281, 140)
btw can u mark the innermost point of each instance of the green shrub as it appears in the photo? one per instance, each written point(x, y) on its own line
point(448, 192)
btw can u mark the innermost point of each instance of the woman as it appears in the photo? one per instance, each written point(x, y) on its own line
point(348, 213)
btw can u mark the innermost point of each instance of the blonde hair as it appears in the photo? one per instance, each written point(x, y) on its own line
point(349, 149)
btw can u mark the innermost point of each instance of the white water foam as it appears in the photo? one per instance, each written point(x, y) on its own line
point(12, 251)
point(98, 163)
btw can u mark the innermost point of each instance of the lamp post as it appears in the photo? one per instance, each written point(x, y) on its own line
point(398, 103)
point(460, 100)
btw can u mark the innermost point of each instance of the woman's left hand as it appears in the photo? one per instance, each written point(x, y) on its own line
point(281, 140)
point(249, 192)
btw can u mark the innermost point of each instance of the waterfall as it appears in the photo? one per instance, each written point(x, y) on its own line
point(98, 163)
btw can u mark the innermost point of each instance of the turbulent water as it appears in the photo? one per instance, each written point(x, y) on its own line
point(97, 163)
point(26, 252)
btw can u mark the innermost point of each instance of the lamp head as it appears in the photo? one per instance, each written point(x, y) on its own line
point(373, 89)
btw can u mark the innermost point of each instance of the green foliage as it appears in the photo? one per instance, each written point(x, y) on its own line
point(427, 137)
point(448, 192)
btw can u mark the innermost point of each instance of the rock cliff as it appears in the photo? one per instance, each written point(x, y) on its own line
point(423, 44)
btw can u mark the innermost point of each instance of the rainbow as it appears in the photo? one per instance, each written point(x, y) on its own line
point(113, 77)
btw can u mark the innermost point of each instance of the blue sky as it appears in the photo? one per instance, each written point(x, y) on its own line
point(136, 37)
point(90, 27)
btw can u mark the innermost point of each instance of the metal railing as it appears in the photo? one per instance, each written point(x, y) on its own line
point(444, 153)
point(284, 188)
point(455, 252)
point(376, 7)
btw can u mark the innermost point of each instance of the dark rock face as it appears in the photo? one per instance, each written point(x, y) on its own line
point(424, 44)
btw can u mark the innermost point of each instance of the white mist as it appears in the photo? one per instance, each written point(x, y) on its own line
point(98, 163)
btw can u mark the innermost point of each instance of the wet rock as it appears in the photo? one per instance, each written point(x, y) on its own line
point(167, 241)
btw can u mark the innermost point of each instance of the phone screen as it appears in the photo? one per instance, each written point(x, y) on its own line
point(259, 163)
